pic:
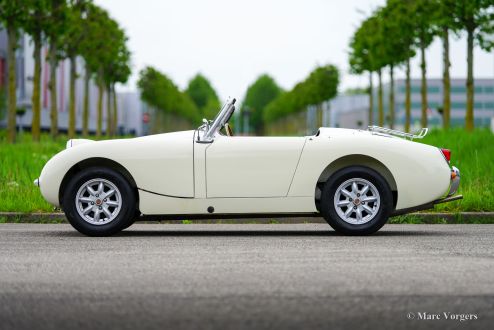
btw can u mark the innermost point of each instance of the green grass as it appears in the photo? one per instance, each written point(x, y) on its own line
point(472, 153)
point(20, 165)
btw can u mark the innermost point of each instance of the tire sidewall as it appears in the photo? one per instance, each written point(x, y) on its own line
point(127, 209)
point(327, 201)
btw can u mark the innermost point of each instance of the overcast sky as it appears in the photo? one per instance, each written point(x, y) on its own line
point(232, 42)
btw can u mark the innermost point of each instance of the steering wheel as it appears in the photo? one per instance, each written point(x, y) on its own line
point(228, 130)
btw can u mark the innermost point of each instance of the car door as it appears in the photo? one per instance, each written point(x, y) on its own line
point(251, 166)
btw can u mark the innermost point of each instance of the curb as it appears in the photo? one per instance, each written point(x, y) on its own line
point(432, 218)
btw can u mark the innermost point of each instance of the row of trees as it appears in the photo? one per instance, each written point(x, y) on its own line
point(71, 29)
point(264, 101)
point(321, 85)
point(259, 94)
point(199, 100)
point(394, 33)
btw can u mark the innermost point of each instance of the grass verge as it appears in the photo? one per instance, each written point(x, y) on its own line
point(472, 153)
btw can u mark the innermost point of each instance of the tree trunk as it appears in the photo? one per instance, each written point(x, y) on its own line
point(12, 97)
point(100, 105)
point(53, 90)
point(407, 97)
point(391, 97)
point(109, 123)
point(36, 100)
point(319, 115)
point(469, 124)
point(423, 86)
point(85, 110)
point(73, 72)
point(371, 100)
point(446, 80)
point(380, 99)
point(115, 111)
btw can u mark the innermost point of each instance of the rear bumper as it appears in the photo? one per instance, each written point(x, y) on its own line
point(427, 206)
point(455, 181)
point(453, 188)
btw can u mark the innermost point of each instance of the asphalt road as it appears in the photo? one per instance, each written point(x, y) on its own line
point(246, 276)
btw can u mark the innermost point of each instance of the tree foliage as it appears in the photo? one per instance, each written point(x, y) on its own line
point(319, 86)
point(160, 92)
point(258, 96)
point(204, 96)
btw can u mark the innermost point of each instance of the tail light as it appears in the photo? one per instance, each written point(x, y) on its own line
point(446, 154)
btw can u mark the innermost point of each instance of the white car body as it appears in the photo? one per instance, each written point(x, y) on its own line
point(175, 174)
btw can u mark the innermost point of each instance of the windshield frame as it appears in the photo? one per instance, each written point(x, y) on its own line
point(210, 130)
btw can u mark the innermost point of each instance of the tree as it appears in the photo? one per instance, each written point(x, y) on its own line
point(444, 20)
point(71, 40)
point(89, 51)
point(397, 36)
point(364, 58)
point(35, 25)
point(259, 94)
point(160, 92)
point(116, 70)
point(100, 48)
point(373, 33)
point(120, 74)
point(54, 31)
point(424, 11)
point(12, 15)
point(476, 17)
point(321, 85)
point(203, 95)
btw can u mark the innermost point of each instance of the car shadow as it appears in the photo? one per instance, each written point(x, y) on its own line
point(246, 233)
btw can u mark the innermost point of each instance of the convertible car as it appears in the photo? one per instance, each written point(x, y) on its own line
point(355, 179)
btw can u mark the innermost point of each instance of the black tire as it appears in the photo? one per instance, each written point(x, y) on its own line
point(381, 212)
point(137, 214)
point(123, 219)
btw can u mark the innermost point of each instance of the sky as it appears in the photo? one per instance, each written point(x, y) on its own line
point(232, 42)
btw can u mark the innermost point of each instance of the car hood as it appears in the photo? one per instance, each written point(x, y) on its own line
point(149, 138)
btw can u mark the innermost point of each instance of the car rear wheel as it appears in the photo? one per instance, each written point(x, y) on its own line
point(356, 201)
point(99, 202)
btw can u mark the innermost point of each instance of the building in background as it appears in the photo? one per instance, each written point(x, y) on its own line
point(24, 89)
point(351, 111)
point(20, 65)
point(133, 114)
point(483, 102)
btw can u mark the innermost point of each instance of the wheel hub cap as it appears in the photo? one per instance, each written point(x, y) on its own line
point(357, 201)
point(98, 201)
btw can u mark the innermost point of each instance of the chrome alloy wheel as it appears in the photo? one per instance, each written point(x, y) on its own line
point(357, 201)
point(98, 201)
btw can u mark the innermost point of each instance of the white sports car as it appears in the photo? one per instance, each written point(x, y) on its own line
point(355, 179)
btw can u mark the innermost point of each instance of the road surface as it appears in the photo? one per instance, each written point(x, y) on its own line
point(247, 276)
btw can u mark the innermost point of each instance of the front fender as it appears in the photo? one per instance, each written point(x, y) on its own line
point(162, 163)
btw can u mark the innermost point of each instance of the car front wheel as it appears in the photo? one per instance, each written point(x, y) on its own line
point(99, 202)
point(356, 201)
